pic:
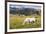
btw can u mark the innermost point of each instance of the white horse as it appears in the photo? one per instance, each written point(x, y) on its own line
point(29, 20)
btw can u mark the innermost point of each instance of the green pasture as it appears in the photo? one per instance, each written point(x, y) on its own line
point(17, 21)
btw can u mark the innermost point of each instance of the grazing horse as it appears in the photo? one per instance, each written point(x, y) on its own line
point(29, 20)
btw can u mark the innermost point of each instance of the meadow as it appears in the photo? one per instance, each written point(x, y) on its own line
point(17, 21)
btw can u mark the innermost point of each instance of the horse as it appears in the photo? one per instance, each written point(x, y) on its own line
point(29, 20)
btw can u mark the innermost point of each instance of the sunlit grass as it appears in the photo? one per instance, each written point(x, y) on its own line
point(17, 21)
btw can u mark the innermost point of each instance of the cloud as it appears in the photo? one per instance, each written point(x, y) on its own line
point(25, 6)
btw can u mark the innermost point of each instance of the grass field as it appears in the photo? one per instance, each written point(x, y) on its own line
point(16, 22)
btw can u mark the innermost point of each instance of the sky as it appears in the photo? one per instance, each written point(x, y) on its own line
point(25, 6)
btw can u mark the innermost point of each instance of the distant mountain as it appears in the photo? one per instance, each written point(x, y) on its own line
point(31, 9)
point(25, 11)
